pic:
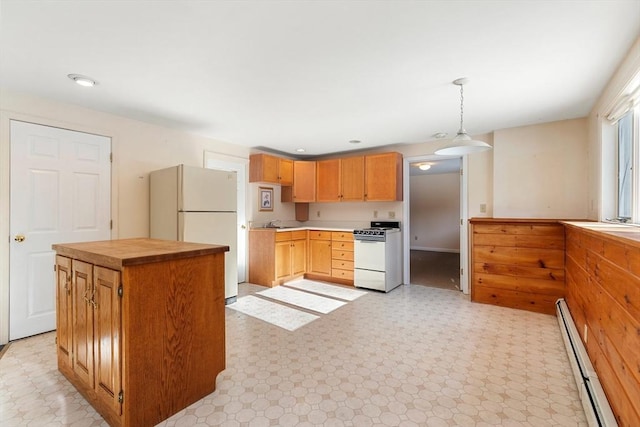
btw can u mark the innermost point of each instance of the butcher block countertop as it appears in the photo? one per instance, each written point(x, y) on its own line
point(116, 254)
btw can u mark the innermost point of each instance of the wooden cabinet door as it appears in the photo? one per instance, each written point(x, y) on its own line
point(383, 177)
point(285, 171)
point(328, 180)
point(352, 179)
point(320, 257)
point(283, 259)
point(263, 168)
point(304, 181)
point(64, 326)
point(82, 289)
point(107, 327)
point(298, 257)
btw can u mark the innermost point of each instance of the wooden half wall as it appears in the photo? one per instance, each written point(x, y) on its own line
point(603, 296)
point(517, 263)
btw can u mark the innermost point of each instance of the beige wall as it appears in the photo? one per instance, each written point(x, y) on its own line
point(435, 212)
point(540, 171)
point(545, 170)
point(138, 148)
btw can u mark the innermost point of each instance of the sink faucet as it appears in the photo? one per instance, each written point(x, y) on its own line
point(272, 223)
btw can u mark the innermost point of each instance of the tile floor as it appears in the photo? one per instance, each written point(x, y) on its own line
point(417, 356)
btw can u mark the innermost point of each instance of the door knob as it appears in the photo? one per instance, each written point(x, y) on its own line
point(19, 238)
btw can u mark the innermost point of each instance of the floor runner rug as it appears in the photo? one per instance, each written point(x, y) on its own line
point(327, 290)
point(277, 314)
point(302, 299)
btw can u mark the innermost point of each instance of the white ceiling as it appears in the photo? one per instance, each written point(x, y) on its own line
point(316, 74)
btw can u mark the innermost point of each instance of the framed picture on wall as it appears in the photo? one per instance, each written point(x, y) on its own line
point(266, 198)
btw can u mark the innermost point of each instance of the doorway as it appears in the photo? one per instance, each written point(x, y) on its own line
point(239, 165)
point(60, 192)
point(434, 240)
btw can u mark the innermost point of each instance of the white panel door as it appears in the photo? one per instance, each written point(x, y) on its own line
point(228, 163)
point(60, 192)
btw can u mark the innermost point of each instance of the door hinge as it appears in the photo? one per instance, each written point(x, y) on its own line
point(56, 339)
point(111, 157)
point(120, 291)
point(121, 397)
point(461, 221)
point(111, 225)
point(462, 271)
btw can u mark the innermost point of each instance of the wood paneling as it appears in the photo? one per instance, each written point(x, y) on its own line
point(518, 263)
point(603, 296)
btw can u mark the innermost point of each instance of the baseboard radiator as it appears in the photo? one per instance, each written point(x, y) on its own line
point(595, 403)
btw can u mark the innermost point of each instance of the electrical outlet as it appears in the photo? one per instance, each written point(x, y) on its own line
point(318, 214)
point(483, 208)
point(375, 214)
point(392, 214)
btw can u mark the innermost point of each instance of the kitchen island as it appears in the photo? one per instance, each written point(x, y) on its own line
point(140, 325)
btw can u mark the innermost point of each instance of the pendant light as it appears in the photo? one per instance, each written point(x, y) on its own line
point(462, 144)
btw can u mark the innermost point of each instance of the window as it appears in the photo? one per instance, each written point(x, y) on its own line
point(628, 176)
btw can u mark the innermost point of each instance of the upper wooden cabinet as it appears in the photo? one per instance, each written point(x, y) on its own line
point(328, 180)
point(340, 180)
point(304, 181)
point(352, 179)
point(383, 177)
point(272, 169)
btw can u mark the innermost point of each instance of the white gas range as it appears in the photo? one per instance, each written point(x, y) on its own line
point(378, 256)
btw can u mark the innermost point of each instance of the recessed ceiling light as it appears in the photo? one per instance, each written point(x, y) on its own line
point(440, 135)
point(300, 150)
point(355, 141)
point(424, 166)
point(82, 80)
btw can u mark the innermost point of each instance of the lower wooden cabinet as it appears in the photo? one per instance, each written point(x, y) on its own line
point(290, 254)
point(342, 256)
point(320, 253)
point(126, 315)
point(275, 257)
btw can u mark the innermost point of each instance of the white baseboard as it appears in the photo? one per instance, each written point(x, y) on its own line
point(422, 248)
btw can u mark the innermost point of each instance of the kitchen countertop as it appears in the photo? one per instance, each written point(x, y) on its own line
point(125, 252)
point(278, 230)
point(623, 233)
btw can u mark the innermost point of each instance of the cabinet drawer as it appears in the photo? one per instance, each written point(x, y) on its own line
point(319, 235)
point(283, 236)
point(344, 246)
point(342, 274)
point(298, 235)
point(341, 264)
point(342, 254)
point(342, 236)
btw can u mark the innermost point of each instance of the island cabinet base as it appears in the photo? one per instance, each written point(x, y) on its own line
point(141, 327)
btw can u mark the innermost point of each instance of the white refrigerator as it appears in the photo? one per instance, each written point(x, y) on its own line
point(197, 205)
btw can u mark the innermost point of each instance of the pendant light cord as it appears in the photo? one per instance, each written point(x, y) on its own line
point(461, 108)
